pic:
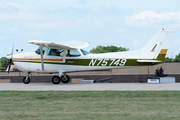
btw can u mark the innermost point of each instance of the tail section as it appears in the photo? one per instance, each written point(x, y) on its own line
point(157, 47)
point(162, 54)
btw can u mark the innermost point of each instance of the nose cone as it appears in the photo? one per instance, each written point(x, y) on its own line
point(21, 61)
point(23, 55)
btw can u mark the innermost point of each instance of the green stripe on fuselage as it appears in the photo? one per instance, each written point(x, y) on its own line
point(99, 62)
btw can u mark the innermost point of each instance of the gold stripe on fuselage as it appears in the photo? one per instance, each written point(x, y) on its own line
point(37, 59)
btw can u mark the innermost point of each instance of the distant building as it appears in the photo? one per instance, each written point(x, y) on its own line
point(13, 69)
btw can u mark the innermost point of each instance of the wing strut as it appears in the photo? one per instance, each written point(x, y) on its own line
point(42, 61)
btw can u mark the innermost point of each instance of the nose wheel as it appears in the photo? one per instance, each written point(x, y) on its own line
point(26, 80)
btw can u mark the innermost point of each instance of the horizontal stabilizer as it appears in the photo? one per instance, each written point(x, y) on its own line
point(148, 61)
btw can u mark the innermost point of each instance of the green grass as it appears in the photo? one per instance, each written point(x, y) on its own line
point(90, 105)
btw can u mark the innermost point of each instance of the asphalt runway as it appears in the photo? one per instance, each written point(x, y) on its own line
point(89, 87)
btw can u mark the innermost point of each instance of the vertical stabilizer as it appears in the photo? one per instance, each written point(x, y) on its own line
point(157, 45)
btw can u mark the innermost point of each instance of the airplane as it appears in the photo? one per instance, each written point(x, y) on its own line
point(62, 59)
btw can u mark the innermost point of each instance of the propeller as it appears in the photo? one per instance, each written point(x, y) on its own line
point(10, 60)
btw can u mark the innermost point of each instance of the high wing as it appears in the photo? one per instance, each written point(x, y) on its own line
point(85, 45)
point(41, 44)
point(75, 43)
point(51, 45)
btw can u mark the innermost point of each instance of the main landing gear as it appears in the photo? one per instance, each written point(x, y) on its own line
point(56, 79)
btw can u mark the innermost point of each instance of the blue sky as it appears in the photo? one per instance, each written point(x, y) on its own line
point(130, 23)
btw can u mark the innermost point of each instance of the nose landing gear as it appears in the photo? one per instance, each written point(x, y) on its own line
point(65, 78)
point(26, 80)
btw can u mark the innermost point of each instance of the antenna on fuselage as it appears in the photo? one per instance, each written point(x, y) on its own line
point(18, 50)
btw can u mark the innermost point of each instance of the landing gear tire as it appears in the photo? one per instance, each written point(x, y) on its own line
point(65, 79)
point(26, 80)
point(56, 79)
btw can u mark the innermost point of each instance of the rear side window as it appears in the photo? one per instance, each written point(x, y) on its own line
point(56, 52)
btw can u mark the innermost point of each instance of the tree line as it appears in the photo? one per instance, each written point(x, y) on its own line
point(177, 59)
point(4, 62)
point(106, 49)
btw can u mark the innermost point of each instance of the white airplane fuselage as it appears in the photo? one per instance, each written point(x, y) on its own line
point(30, 62)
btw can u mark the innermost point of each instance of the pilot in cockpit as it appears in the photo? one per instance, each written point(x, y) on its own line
point(53, 52)
point(68, 53)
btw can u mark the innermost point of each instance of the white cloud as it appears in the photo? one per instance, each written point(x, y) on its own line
point(45, 25)
point(148, 18)
point(15, 5)
point(121, 30)
point(21, 16)
point(12, 11)
point(176, 41)
point(85, 24)
point(34, 18)
point(97, 23)
point(12, 6)
point(14, 29)
point(134, 44)
point(82, 2)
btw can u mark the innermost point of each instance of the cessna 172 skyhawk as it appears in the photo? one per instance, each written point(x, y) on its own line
point(62, 59)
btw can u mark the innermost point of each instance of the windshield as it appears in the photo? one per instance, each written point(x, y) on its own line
point(38, 50)
point(84, 52)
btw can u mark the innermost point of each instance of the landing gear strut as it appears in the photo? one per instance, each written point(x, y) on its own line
point(56, 79)
point(65, 78)
point(26, 80)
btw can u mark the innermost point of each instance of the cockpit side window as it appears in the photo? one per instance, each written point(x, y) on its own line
point(84, 52)
point(72, 53)
point(38, 50)
point(56, 52)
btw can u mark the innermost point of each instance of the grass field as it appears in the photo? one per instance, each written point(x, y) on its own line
point(90, 105)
